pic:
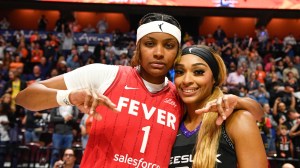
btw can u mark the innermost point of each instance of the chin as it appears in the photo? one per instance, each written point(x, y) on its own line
point(188, 100)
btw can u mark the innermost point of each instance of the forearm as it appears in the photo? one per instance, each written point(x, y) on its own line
point(37, 97)
point(250, 105)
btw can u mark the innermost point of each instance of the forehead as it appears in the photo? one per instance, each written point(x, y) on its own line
point(160, 36)
point(69, 151)
point(191, 59)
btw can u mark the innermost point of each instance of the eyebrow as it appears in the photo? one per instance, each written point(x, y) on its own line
point(168, 39)
point(196, 64)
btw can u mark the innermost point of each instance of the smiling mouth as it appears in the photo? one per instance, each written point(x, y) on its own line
point(188, 91)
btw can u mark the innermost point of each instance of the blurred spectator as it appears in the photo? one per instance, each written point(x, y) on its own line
point(4, 138)
point(262, 36)
point(297, 63)
point(2, 84)
point(42, 23)
point(35, 37)
point(289, 50)
point(85, 55)
point(268, 65)
point(85, 127)
point(252, 83)
point(209, 40)
point(189, 42)
point(102, 26)
point(280, 67)
point(45, 67)
point(124, 60)
point(98, 48)
point(292, 116)
point(288, 69)
point(272, 125)
point(63, 118)
point(73, 60)
point(261, 95)
point(292, 81)
point(61, 65)
point(289, 39)
point(9, 48)
point(75, 26)
point(2, 46)
point(89, 29)
point(13, 87)
point(68, 160)
point(130, 49)
point(264, 128)
point(272, 71)
point(254, 59)
point(280, 108)
point(60, 23)
point(235, 40)
point(284, 145)
point(67, 43)
point(260, 73)
point(236, 79)
point(4, 24)
point(16, 63)
point(49, 50)
point(14, 118)
point(219, 34)
point(35, 76)
point(110, 50)
point(30, 122)
point(18, 36)
point(23, 51)
point(295, 135)
point(36, 54)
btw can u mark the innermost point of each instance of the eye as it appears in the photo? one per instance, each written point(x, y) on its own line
point(199, 72)
point(149, 43)
point(170, 45)
point(178, 72)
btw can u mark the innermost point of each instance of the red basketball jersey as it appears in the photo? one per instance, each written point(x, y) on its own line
point(142, 134)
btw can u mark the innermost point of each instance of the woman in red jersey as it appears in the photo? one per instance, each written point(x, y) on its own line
point(147, 108)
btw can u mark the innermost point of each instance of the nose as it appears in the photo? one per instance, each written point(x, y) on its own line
point(187, 79)
point(159, 51)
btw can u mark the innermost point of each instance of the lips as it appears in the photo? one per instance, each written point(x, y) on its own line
point(157, 65)
point(188, 91)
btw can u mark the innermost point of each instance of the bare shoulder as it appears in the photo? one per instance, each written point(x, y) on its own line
point(240, 122)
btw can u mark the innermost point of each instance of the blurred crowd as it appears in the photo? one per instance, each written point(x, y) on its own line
point(264, 68)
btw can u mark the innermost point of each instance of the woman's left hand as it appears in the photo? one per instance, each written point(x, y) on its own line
point(223, 105)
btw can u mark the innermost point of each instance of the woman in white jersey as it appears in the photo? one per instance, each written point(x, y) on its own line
point(148, 110)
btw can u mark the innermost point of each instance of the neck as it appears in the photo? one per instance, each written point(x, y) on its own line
point(192, 119)
point(149, 78)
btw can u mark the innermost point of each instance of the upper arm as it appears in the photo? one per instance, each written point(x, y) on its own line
point(250, 151)
point(90, 76)
point(56, 82)
point(252, 106)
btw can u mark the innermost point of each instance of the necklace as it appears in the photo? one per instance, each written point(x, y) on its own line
point(188, 133)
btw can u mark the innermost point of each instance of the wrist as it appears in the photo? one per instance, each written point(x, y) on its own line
point(62, 97)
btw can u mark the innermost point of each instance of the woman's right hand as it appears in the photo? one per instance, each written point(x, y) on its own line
point(87, 100)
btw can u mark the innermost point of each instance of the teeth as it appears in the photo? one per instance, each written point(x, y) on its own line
point(188, 90)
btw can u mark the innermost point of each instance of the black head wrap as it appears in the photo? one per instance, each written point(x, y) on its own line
point(206, 55)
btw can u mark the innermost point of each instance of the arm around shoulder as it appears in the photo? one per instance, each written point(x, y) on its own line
point(242, 129)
